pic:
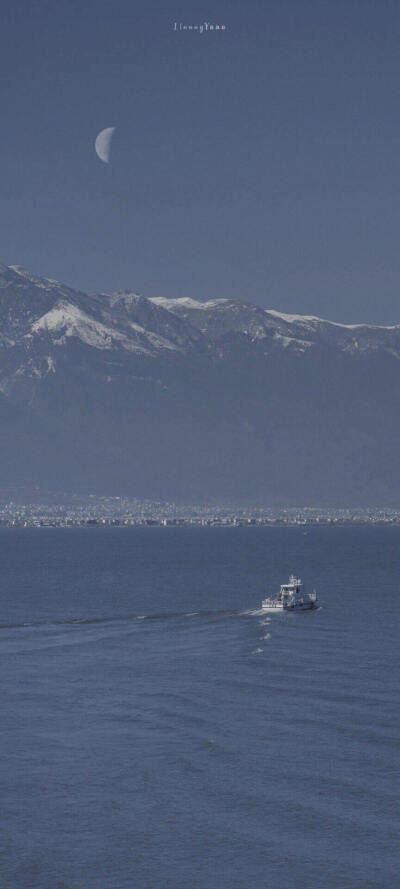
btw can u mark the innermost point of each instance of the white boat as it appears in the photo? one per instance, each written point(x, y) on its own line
point(291, 597)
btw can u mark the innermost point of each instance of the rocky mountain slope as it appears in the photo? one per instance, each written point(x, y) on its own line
point(217, 400)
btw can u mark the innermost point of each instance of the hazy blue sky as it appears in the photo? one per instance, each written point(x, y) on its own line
point(260, 163)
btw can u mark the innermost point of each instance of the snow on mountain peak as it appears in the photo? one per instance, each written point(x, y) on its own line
point(32, 305)
point(34, 279)
point(315, 319)
point(70, 321)
point(188, 302)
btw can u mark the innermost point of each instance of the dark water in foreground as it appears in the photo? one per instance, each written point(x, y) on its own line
point(157, 734)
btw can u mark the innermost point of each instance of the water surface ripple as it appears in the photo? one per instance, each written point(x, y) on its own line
point(158, 732)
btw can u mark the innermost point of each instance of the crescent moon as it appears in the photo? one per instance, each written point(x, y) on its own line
point(103, 144)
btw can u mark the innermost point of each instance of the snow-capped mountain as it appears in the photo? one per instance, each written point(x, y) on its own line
point(183, 398)
point(219, 317)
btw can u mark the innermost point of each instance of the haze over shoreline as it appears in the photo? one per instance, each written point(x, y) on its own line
point(187, 401)
point(75, 511)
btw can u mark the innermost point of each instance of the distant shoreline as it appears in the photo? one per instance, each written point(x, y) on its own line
point(115, 524)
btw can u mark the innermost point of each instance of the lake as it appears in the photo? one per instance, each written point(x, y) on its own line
point(159, 733)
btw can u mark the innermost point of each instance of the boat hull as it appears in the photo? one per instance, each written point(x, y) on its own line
point(273, 609)
point(307, 606)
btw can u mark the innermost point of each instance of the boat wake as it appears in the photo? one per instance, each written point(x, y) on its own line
point(159, 616)
point(127, 618)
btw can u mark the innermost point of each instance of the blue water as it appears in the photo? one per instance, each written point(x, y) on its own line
point(157, 733)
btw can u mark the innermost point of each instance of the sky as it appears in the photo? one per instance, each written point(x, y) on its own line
point(260, 162)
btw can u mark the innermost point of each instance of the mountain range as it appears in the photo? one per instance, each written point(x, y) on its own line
point(216, 401)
